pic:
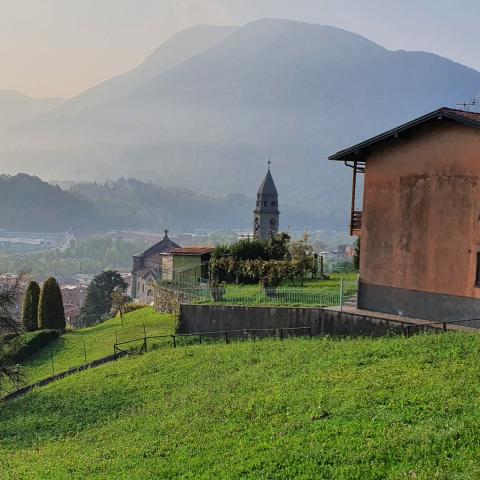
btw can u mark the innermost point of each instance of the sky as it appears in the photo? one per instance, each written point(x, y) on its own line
point(63, 47)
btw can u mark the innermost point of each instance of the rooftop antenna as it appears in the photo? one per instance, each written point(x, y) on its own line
point(467, 104)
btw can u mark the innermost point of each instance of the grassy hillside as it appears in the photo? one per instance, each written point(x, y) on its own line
point(391, 408)
point(69, 351)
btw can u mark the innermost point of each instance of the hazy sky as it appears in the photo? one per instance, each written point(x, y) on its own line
point(62, 47)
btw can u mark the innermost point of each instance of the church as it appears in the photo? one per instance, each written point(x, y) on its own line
point(169, 262)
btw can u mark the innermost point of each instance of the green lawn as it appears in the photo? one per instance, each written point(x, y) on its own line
point(68, 351)
point(315, 292)
point(390, 408)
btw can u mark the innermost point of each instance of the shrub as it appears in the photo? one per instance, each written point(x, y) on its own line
point(51, 314)
point(30, 307)
point(131, 307)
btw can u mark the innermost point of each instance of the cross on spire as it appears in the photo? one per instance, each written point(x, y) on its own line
point(166, 232)
point(269, 163)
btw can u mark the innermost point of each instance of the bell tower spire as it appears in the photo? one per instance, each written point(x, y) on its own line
point(266, 215)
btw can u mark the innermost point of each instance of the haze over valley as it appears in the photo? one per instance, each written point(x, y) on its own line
point(207, 109)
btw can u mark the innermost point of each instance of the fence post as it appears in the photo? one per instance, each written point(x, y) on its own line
point(85, 352)
point(200, 338)
point(254, 336)
point(341, 294)
point(174, 342)
point(310, 331)
point(281, 334)
point(226, 337)
point(444, 326)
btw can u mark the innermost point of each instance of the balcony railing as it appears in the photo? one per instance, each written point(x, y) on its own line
point(356, 223)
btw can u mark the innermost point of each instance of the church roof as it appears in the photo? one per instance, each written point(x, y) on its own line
point(162, 246)
point(267, 187)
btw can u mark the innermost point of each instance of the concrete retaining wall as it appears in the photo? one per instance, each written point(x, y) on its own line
point(430, 306)
point(214, 318)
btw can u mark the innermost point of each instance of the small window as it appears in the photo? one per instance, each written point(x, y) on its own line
point(273, 204)
point(264, 204)
point(477, 274)
point(258, 204)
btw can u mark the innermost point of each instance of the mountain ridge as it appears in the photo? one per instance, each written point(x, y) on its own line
point(291, 91)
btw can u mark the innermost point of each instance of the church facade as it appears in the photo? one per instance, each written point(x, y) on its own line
point(266, 215)
point(147, 269)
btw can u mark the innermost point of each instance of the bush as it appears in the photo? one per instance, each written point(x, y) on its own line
point(31, 342)
point(51, 314)
point(131, 307)
point(30, 307)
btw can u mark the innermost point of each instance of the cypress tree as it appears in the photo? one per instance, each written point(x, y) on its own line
point(50, 307)
point(30, 307)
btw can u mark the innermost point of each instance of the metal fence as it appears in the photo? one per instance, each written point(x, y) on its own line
point(332, 295)
point(146, 343)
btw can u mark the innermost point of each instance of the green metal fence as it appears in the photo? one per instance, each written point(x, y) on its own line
point(330, 296)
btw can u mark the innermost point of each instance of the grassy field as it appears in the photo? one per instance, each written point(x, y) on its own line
point(390, 408)
point(315, 292)
point(69, 350)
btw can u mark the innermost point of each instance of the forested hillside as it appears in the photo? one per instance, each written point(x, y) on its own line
point(29, 204)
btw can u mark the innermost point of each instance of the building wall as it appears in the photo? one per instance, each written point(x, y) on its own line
point(264, 215)
point(421, 212)
point(191, 275)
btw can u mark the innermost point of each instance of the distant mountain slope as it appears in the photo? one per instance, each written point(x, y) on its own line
point(174, 51)
point(30, 205)
point(130, 203)
point(289, 90)
point(15, 107)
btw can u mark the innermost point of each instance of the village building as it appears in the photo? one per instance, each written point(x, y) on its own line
point(420, 221)
point(187, 266)
point(166, 261)
point(266, 215)
point(147, 269)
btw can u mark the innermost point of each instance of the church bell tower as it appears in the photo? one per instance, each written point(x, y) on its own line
point(266, 215)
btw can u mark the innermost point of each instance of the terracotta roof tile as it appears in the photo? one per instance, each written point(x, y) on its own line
point(200, 250)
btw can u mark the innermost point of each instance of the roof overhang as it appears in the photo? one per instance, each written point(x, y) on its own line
point(359, 151)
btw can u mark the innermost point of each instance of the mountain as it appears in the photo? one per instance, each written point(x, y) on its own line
point(131, 203)
point(293, 91)
point(174, 51)
point(31, 205)
point(16, 107)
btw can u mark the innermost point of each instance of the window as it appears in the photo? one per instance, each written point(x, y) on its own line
point(477, 274)
point(273, 204)
point(265, 204)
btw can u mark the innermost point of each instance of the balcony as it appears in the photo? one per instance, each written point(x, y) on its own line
point(356, 223)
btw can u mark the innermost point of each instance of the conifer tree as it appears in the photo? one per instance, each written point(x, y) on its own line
point(98, 300)
point(50, 307)
point(30, 307)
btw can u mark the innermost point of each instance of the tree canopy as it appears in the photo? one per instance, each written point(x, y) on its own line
point(98, 300)
point(30, 307)
point(51, 313)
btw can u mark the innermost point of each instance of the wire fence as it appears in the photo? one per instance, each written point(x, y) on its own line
point(332, 295)
point(146, 343)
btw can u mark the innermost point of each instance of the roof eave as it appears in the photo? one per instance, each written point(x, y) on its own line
point(356, 152)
